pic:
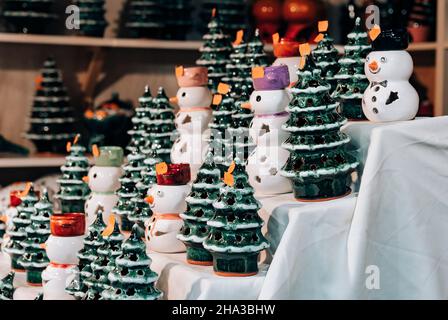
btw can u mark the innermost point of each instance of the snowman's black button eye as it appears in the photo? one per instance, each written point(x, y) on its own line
point(95, 176)
point(373, 99)
point(383, 59)
point(184, 94)
point(258, 98)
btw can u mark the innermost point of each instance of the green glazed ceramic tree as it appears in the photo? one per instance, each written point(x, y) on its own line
point(220, 135)
point(35, 259)
point(142, 116)
point(87, 255)
point(235, 239)
point(161, 129)
point(351, 79)
point(236, 67)
point(149, 177)
point(205, 191)
point(74, 191)
point(92, 20)
point(15, 246)
point(104, 264)
point(132, 279)
point(326, 57)
point(7, 287)
point(128, 190)
point(215, 53)
point(319, 165)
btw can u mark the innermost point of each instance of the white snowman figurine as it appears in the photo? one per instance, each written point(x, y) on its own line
point(269, 101)
point(194, 100)
point(390, 96)
point(103, 180)
point(66, 239)
point(287, 53)
point(167, 201)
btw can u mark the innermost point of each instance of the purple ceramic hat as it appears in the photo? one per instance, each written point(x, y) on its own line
point(270, 78)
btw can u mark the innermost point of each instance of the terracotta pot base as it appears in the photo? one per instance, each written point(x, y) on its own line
point(200, 263)
point(18, 270)
point(34, 285)
point(325, 199)
point(235, 275)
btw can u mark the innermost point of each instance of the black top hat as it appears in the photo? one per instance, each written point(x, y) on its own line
point(391, 39)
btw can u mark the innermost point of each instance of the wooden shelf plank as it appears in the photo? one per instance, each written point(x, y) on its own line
point(33, 162)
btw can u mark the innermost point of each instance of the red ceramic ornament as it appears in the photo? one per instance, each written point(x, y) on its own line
point(268, 16)
point(286, 48)
point(176, 175)
point(301, 16)
point(68, 225)
point(14, 198)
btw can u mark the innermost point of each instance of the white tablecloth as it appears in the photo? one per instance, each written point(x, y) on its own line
point(398, 226)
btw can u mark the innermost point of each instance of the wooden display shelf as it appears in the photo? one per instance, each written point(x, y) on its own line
point(33, 162)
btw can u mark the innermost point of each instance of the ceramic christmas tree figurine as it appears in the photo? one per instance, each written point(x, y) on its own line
point(142, 116)
point(128, 191)
point(105, 263)
point(92, 241)
point(287, 53)
point(390, 96)
point(141, 213)
point(144, 19)
point(34, 259)
point(351, 79)
point(269, 102)
point(7, 287)
point(66, 239)
point(319, 166)
point(194, 100)
point(52, 120)
point(92, 21)
point(235, 239)
point(215, 52)
point(237, 64)
point(149, 176)
point(167, 201)
point(132, 279)
point(326, 55)
point(200, 209)
point(178, 19)
point(233, 13)
point(161, 129)
point(103, 180)
point(29, 16)
point(74, 191)
point(17, 234)
point(221, 139)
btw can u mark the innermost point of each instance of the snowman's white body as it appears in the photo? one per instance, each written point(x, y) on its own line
point(62, 252)
point(390, 96)
point(169, 203)
point(292, 63)
point(103, 182)
point(192, 121)
point(268, 158)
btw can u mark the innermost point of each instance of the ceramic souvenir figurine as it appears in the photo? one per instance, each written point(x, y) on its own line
point(7, 287)
point(268, 17)
point(235, 238)
point(66, 239)
point(390, 96)
point(167, 201)
point(205, 192)
point(194, 100)
point(319, 166)
point(103, 180)
point(287, 53)
point(269, 102)
point(74, 191)
point(35, 260)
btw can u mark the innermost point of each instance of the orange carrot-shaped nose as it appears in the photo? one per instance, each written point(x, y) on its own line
point(246, 105)
point(174, 100)
point(86, 179)
point(149, 199)
point(4, 219)
point(43, 246)
point(373, 65)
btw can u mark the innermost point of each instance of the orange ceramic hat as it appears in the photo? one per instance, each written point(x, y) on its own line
point(192, 77)
point(286, 48)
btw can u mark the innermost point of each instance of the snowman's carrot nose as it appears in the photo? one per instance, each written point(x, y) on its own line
point(86, 179)
point(149, 199)
point(174, 100)
point(373, 65)
point(43, 246)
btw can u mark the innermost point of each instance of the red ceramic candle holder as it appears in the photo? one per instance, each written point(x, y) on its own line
point(68, 225)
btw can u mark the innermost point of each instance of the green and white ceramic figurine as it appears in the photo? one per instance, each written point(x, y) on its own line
point(200, 210)
point(92, 21)
point(132, 279)
point(35, 260)
point(74, 191)
point(351, 78)
point(235, 240)
point(138, 132)
point(319, 166)
point(17, 234)
point(103, 180)
point(7, 287)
